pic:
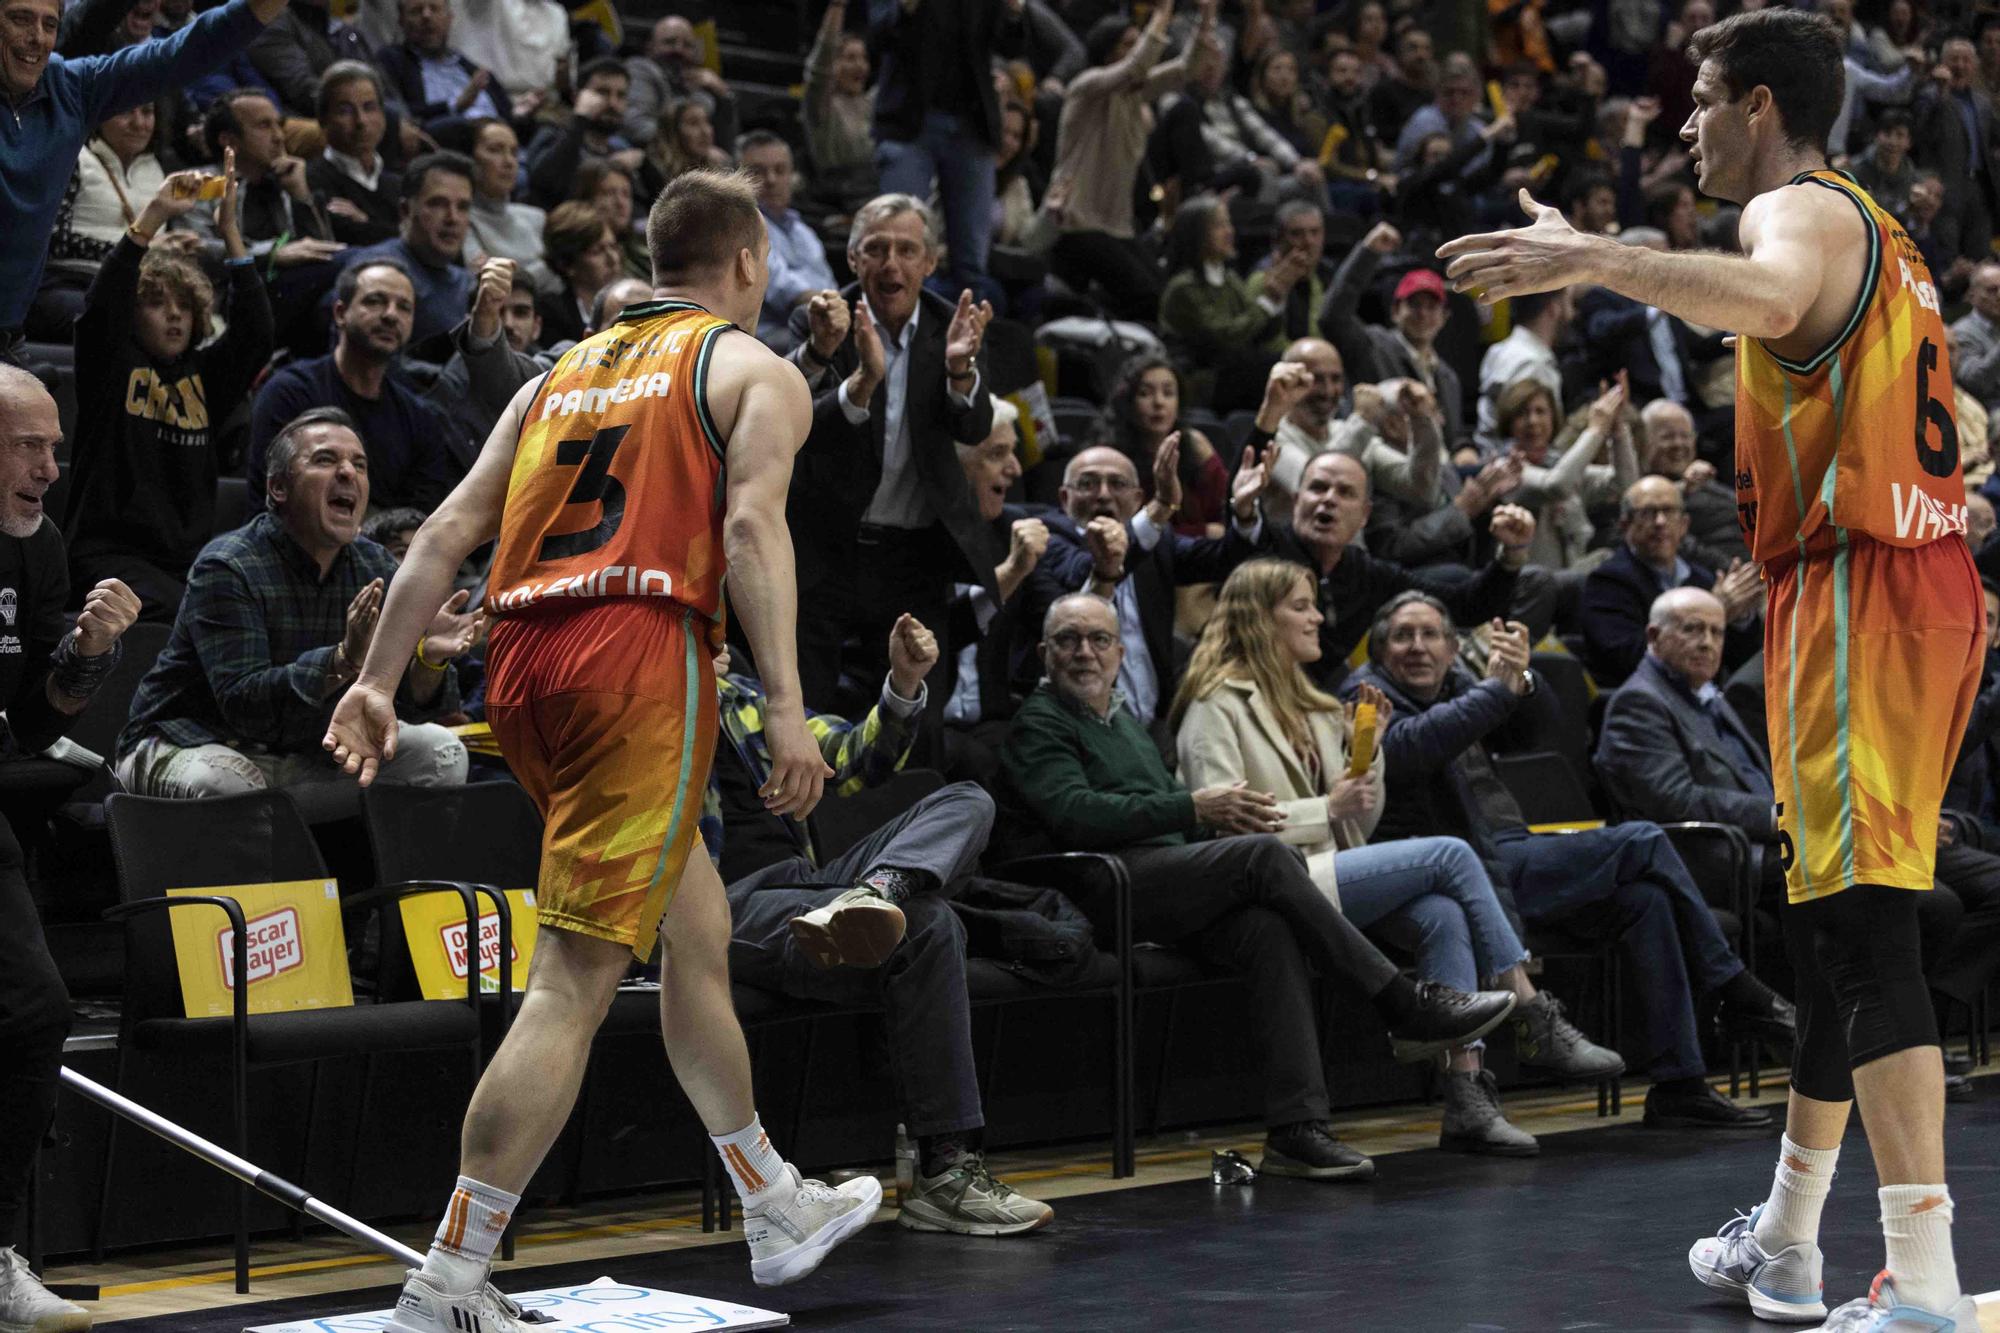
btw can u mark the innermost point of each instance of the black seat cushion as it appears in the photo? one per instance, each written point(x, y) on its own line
point(316, 1034)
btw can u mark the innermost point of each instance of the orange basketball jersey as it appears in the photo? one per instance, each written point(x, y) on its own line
point(617, 483)
point(1863, 437)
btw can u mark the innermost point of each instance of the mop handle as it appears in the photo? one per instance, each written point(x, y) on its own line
point(284, 1191)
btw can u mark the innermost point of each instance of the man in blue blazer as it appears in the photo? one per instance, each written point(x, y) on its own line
point(1618, 595)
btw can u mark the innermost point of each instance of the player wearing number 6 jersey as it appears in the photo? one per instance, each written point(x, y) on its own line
point(651, 460)
point(1848, 482)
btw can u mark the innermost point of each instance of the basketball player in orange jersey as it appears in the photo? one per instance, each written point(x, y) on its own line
point(651, 459)
point(1848, 482)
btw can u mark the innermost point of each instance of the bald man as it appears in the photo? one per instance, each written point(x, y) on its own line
point(1671, 748)
point(47, 675)
point(1105, 542)
point(1619, 593)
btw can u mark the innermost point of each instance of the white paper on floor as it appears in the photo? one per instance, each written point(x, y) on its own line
point(603, 1306)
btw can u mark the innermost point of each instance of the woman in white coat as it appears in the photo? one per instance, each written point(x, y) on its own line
point(1247, 713)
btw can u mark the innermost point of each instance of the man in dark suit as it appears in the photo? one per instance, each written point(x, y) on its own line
point(1104, 542)
point(986, 628)
point(1671, 748)
point(1618, 595)
point(880, 509)
point(435, 81)
point(1956, 138)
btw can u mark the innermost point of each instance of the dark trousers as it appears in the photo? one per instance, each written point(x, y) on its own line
point(1248, 905)
point(1969, 960)
point(887, 572)
point(922, 986)
point(1628, 883)
point(34, 1020)
point(1130, 281)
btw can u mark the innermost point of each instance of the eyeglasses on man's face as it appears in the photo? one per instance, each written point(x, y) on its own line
point(1070, 640)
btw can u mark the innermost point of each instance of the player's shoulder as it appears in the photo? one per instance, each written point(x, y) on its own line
point(1810, 204)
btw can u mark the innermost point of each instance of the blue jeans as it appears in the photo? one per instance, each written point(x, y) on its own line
point(962, 165)
point(1431, 896)
point(1628, 883)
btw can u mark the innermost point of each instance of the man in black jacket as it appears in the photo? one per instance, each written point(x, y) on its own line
point(1625, 882)
point(985, 627)
point(1104, 542)
point(47, 676)
point(937, 116)
point(1618, 595)
point(1331, 510)
point(879, 506)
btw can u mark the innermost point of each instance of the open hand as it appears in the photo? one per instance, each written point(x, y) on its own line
point(1167, 472)
point(1237, 809)
point(965, 335)
point(1546, 255)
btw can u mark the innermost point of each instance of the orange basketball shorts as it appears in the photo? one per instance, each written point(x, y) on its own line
point(1872, 659)
point(607, 715)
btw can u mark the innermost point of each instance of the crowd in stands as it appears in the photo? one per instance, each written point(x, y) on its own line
point(1159, 491)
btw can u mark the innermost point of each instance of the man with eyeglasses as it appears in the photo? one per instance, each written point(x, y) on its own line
point(1104, 542)
point(1715, 533)
point(1080, 772)
point(1618, 595)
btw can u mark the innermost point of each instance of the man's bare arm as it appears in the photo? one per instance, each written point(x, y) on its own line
point(772, 414)
point(469, 516)
point(1765, 292)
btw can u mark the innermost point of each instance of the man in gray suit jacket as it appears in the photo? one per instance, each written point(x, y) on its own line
point(1671, 748)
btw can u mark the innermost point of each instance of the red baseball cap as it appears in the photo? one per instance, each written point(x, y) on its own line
point(1420, 280)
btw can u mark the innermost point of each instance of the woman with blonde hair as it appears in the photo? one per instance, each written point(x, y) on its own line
point(1247, 713)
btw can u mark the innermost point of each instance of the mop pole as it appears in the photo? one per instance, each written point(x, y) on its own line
point(284, 1191)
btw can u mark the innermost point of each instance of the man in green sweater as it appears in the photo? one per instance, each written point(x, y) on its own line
point(1079, 771)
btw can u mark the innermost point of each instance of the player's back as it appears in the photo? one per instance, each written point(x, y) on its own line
point(616, 490)
point(1861, 439)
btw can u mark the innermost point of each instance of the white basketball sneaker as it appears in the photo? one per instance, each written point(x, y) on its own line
point(1880, 1311)
point(26, 1306)
point(1784, 1287)
point(791, 1231)
point(425, 1307)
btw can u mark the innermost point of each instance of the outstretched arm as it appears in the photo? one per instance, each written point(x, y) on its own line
point(1764, 292)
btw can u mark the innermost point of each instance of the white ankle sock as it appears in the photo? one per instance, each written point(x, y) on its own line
point(462, 1251)
point(1791, 1214)
point(754, 1165)
point(1916, 1225)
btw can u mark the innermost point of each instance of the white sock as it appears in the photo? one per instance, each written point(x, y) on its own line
point(753, 1164)
point(1916, 1224)
point(462, 1251)
point(1791, 1214)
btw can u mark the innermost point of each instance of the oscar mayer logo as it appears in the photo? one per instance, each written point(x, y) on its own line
point(274, 944)
point(452, 935)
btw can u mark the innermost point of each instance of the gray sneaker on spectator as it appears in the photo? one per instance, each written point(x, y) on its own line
point(1474, 1122)
point(1310, 1151)
point(968, 1200)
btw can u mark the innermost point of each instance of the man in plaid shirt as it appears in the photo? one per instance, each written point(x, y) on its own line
point(273, 628)
point(871, 925)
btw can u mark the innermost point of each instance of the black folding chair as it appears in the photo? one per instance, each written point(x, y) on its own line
point(256, 838)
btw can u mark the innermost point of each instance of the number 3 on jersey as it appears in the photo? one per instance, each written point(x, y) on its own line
point(595, 483)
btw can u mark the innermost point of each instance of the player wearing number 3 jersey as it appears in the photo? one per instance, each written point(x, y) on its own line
point(1848, 482)
point(653, 459)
